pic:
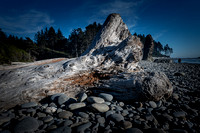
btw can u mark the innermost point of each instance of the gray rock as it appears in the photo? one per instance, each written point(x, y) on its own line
point(93, 99)
point(125, 112)
point(62, 99)
point(83, 127)
point(152, 104)
point(116, 117)
point(28, 124)
point(4, 119)
point(64, 129)
point(67, 122)
point(101, 120)
point(126, 124)
point(74, 106)
point(82, 97)
point(133, 130)
point(106, 97)
point(121, 104)
point(179, 114)
point(47, 119)
point(83, 115)
point(39, 114)
point(50, 109)
point(29, 105)
point(65, 114)
point(108, 113)
point(100, 107)
point(54, 97)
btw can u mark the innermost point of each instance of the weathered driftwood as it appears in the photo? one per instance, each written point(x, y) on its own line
point(114, 52)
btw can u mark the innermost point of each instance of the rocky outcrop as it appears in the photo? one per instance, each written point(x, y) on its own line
point(114, 52)
point(148, 48)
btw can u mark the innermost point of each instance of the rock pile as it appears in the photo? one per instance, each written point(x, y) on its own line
point(99, 113)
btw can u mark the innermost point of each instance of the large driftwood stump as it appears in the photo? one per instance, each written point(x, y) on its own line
point(112, 58)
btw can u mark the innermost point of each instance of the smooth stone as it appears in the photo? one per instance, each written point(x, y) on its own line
point(50, 109)
point(74, 106)
point(82, 97)
point(93, 99)
point(4, 119)
point(55, 96)
point(178, 131)
point(83, 115)
point(108, 113)
point(68, 122)
point(179, 114)
point(107, 103)
point(125, 112)
point(29, 105)
point(168, 117)
point(154, 130)
point(175, 96)
point(100, 107)
point(106, 97)
point(152, 104)
point(121, 104)
point(64, 129)
point(65, 114)
point(52, 105)
point(118, 108)
point(101, 120)
point(51, 127)
point(83, 127)
point(126, 124)
point(62, 99)
point(39, 114)
point(28, 124)
point(133, 130)
point(116, 117)
point(47, 119)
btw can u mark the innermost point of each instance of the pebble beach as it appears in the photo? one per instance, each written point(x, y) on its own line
point(101, 113)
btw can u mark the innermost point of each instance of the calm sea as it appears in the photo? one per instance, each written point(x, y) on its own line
point(188, 60)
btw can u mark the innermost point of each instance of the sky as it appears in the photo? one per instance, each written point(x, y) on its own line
point(173, 22)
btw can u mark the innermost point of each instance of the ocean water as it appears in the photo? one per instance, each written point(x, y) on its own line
point(188, 60)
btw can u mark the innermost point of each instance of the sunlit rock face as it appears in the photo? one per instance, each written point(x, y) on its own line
point(113, 48)
point(110, 62)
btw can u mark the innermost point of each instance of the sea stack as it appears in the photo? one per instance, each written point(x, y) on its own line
point(148, 48)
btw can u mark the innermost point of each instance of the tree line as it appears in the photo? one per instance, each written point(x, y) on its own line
point(50, 43)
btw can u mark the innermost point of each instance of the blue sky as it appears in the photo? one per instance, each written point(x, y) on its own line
point(173, 22)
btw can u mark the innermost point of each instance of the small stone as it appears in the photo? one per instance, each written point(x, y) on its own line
point(62, 99)
point(125, 112)
point(93, 99)
point(126, 124)
point(52, 105)
point(83, 115)
point(106, 97)
point(51, 127)
point(74, 106)
point(55, 96)
point(133, 130)
point(116, 117)
point(82, 97)
point(50, 109)
point(101, 120)
point(83, 127)
point(28, 124)
point(29, 105)
point(40, 115)
point(100, 107)
point(4, 119)
point(107, 103)
point(67, 122)
point(108, 113)
point(65, 114)
point(121, 104)
point(118, 108)
point(154, 130)
point(64, 129)
point(175, 96)
point(179, 114)
point(167, 117)
point(152, 104)
point(179, 131)
point(47, 119)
